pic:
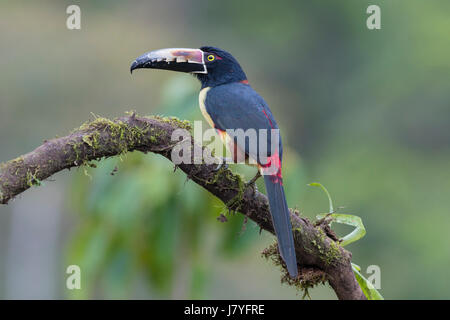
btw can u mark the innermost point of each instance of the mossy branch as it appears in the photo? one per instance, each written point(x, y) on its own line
point(320, 256)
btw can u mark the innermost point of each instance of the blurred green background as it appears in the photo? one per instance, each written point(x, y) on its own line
point(366, 113)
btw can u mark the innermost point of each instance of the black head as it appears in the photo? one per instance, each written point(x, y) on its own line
point(212, 66)
point(221, 67)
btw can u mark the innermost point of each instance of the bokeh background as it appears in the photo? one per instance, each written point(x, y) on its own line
point(366, 113)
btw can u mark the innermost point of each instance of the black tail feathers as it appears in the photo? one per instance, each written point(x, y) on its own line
point(281, 222)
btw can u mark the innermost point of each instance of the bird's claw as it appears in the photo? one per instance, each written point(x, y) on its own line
point(253, 180)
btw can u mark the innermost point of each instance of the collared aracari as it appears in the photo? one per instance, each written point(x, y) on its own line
point(228, 102)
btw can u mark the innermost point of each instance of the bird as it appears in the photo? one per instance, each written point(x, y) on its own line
point(229, 103)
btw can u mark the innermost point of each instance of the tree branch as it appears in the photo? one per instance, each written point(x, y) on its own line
point(320, 257)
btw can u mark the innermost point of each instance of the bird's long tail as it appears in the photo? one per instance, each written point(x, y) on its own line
point(281, 221)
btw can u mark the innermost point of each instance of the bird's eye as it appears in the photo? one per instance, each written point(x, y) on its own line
point(210, 57)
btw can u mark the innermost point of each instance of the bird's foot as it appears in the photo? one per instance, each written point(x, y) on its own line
point(252, 182)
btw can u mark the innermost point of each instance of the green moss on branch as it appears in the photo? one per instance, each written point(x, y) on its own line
point(93, 140)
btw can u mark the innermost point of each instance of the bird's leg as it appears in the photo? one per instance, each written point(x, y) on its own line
point(253, 180)
point(223, 163)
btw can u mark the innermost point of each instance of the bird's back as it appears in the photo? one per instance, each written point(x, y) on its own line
point(237, 105)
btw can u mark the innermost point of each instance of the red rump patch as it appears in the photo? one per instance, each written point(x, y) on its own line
point(273, 168)
point(244, 81)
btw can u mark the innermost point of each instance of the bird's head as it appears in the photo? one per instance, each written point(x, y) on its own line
point(212, 66)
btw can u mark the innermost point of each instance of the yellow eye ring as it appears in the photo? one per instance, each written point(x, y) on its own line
point(210, 57)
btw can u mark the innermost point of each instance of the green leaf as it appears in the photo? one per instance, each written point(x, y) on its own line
point(350, 220)
point(368, 289)
point(317, 184)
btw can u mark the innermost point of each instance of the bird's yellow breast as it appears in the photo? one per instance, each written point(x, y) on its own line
point(201, 101)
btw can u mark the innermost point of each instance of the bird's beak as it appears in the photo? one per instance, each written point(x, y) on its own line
point(175, 59)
